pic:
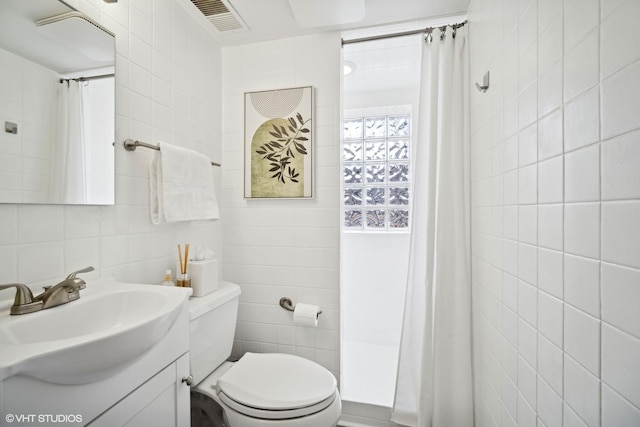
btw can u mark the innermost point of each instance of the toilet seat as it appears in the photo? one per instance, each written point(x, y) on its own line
point(269, 414)
point(276, 386)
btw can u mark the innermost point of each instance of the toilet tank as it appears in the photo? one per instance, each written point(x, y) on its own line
point(212, 328)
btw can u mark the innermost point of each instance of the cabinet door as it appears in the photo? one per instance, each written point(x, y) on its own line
point(162, 401)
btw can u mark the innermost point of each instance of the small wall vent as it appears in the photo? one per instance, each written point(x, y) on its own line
point(221, 14)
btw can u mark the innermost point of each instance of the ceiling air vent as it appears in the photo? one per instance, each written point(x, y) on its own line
point(220, 14)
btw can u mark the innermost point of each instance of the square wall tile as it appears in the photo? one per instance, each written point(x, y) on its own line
point(510, 396)
point(527, 185)
point(621, 363)
point(528, 303)
point(617, 411)
point(40, 261)
point(510, 257)
point(550, 359)
point(511, 111)
point(528, 263)
point(621, 297)
point(582, 175)
point(621, 233)
point(81, 221)
point(580, 17)
point(510, 360)
point(550, 28)
point(8, 224)
point(609, 6)
point(550, 272)
point(550, 134)
point(527, 382)
point(620, 25)
point(621, 101)
point(570, 418)
point(582, 120)
point(527, 27)
point(510, 153)
point(581, 391)
point(582, 66)
point(8, 268)
point(81, 253)
point(582, 338)
point(551, 318)
point(510, 291)
point(582, 229)
point(550, 180)
point(528, 106)
point(582, 283)
point(510, 185)
point(549, 405)
point(528, 342)
point(510, 222)
point(526, 414)
point(550, 226)
point(528, 224)
point(621, 167)
point(40, 223)
point(528, 145)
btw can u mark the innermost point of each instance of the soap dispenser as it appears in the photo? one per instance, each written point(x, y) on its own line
point(167, 279)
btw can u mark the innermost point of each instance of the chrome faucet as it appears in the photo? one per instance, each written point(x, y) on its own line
point(66, 291)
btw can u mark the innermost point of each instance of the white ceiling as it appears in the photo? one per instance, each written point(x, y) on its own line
point(47, 45)
point(274, 19)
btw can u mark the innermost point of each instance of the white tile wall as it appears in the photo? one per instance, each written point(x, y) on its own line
point(567, 239)
point(278, 248)
point(40, 243)
point(26, 100)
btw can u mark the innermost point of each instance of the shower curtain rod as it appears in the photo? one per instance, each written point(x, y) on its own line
point(402, 34)
point(86, 79)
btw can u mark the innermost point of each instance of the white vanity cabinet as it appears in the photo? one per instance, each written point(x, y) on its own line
point(147, 391)
point(161, 401)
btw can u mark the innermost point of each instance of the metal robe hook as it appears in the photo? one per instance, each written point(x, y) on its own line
point(485, 83)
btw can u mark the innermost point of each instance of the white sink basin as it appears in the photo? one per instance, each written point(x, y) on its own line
point(88, 339)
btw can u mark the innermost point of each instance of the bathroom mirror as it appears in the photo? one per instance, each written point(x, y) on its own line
point(57, 105)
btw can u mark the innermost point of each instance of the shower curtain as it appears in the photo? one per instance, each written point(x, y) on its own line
point(434, 382)
point(68, 170)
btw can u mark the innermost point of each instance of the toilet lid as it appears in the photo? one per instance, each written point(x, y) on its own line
point(277, 382)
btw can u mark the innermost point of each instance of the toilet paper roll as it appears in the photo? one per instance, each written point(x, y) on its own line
point(306, 315)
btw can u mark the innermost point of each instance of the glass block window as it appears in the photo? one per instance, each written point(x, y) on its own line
point(376, 172)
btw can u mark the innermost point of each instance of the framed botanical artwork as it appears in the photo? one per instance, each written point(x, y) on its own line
point(278, 135)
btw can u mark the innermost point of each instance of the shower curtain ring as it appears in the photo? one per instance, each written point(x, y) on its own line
point(429, 36)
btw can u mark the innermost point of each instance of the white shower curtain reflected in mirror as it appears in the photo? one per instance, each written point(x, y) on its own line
point(434, 383)
point(68, 179)
point(82, 153)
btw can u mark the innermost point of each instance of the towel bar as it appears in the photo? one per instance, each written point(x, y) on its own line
point(131, 145)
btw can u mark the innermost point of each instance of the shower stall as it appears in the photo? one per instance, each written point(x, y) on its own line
point(379, 96)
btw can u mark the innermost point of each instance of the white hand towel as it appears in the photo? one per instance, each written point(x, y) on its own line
point(181, 186)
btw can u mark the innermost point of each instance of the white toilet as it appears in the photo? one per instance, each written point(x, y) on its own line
point(260, 389)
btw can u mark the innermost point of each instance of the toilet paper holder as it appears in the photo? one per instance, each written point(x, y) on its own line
point(288, 305)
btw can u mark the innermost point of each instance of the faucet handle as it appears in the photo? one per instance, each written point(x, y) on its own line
point(84, 270)
point(23, 293)
point(24, 301)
